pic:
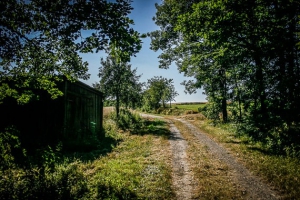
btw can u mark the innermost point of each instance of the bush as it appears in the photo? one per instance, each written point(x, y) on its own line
point(66, 182)
point(10, 148)
point(211, 111)
point(128, 120)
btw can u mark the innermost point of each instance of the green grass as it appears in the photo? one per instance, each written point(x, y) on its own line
point(124, 166)
point(180, 109)
point(135, 167)
point(193, 107)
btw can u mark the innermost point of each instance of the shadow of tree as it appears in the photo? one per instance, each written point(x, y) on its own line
point(86, 153)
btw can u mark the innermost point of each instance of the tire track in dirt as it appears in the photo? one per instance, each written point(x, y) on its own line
point(181, 174)
point(182, 177)
point(252, 185)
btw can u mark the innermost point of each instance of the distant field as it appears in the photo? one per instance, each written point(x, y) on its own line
point(107, 110)
point(193, 107)
point(188, 103)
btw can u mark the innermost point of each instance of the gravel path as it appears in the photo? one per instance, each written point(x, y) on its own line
point(181, 175)
point(252, 185)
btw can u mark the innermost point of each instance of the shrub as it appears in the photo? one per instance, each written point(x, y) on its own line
point(211, 111)
point(65, 182)
point(128, 120)
point(10, 148)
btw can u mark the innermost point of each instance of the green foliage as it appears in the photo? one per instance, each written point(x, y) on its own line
point(211, 111)
point(41, 41)
point(124, 166)
point(66, 182)
point(158, 92)
point(119, 83)
point(128, 120)
point(47, 156)
point(10, 147)
point(243, 54)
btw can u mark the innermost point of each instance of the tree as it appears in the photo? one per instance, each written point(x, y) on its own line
point(159, 90)
point(192, 54)
point(242, 51)
point(40, 41)
point(118, 82)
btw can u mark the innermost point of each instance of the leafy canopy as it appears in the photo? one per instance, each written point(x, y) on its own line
point(240, 51)
point(159, 91)
point(40, 41)
point(118, 82)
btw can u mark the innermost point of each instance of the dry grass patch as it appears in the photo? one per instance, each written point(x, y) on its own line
point(107, 111)
point(212, 176)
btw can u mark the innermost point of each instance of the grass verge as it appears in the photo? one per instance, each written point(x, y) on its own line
point(280, 172)
point(136, 165)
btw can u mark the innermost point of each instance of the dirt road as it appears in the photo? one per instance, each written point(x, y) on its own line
point(182, 175)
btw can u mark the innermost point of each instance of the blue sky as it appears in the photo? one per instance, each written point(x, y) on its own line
point(146, 60)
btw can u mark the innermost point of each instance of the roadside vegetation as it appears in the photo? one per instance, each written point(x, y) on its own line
point(176, 109)
point(126, 164)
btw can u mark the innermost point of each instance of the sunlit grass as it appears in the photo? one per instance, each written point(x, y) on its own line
point(193, 107)
point(136, 165)
point(136, 168)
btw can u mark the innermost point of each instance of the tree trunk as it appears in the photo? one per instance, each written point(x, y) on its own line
point(117, 106)
point(224, 109)
point(224, 94)
point(261, 87)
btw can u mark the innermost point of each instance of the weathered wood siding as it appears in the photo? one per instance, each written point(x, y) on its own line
point(75, 115)
point(83, 110)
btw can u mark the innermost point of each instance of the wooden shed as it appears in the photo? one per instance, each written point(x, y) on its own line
point(74, 116)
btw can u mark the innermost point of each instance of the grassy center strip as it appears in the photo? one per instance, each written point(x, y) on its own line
point(213, 178)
